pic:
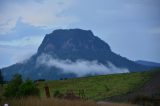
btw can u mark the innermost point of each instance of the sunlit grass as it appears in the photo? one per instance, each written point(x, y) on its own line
point(96, 87)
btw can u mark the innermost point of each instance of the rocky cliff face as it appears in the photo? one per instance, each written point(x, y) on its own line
point(69, 43)
point(72, 45)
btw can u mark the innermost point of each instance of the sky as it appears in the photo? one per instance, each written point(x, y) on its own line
point(130, 27)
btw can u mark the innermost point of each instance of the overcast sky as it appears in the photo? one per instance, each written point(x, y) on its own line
point(130, 27)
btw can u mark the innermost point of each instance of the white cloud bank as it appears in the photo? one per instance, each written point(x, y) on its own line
point(79, 67)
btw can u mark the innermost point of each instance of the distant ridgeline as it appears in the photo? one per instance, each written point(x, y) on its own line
point(70, 53)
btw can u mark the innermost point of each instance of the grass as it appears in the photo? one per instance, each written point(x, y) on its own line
point(100, 87)
point(96, 88)
point(31, 101)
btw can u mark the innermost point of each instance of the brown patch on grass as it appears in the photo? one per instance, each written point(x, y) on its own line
point(32, 101)
point(113, 104)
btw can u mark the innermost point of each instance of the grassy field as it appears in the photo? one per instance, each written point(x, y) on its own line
point(95, 88)
point(99, 87)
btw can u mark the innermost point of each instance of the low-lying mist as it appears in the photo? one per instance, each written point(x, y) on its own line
point(79, 67)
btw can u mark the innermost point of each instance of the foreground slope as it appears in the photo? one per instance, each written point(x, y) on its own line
point(151, 89)
point(101, 87)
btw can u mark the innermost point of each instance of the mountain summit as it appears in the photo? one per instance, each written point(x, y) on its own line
point(73, 44)
point(68, 53)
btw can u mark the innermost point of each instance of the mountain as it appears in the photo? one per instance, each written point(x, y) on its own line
point(148, 63)
point(69, 53)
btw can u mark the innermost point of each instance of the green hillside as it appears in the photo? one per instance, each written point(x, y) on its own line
point(100, 87)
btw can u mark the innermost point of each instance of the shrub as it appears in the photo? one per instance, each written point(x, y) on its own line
point(107, 88)
point(57, 93)
point(12, 89)
point(18, 88)
point(28, 88)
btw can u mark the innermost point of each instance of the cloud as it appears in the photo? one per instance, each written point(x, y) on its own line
point(79, 67)
point(21, 42)
point(45, 13)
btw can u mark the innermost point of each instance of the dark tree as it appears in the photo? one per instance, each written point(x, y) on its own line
point(1, 78)
point(28, 88)
point(19, 88)
point(12, 89)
